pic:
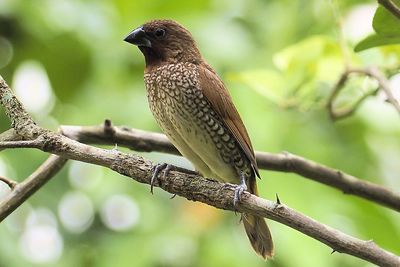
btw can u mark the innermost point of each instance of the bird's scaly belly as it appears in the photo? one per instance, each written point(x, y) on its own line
point(194, 128)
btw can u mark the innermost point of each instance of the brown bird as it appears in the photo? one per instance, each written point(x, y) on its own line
point(196, 112)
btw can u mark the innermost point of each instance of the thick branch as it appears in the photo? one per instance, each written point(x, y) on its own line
point(21, 121)
point(107, 134)
point(148, 141)
point(197, 188)
point(22, 191)
point(10, 135)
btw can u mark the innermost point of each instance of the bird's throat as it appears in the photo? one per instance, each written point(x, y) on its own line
point(151, 57)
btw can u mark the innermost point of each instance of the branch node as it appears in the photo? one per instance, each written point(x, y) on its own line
point(288, 161)
point(11, 183)
point(108, 127)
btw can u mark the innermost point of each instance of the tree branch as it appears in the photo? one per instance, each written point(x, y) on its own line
point(144, 141)
point(197, 188)
point(22, 191)
point(372, 72)
point(11, 184)
point(35, 143)
point(391, 6)
point(219, 195)
point(10, 135)
point(383, 84)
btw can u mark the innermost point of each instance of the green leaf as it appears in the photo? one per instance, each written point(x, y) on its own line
point(385, 23)
point(387, 28)
point(268, 83)
point(376, 40)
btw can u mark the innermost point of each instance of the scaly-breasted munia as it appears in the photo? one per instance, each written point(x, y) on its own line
point(196, 112)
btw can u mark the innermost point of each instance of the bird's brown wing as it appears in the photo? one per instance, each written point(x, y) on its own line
point(218, 96)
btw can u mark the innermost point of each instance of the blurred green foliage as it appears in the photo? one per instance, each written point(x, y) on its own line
point(387, 29)
point(279, 60)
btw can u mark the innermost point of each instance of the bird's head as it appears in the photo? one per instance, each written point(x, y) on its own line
point(164, 41)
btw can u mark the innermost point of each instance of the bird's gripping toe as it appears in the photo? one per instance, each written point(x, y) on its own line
point(156, 171)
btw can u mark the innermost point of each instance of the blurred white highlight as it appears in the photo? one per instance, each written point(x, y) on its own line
point(41, 242)
point(84, 176)
point(120, 213)
point(76, 212)
point(358, 22)
point(32, 87)
point(394, 83)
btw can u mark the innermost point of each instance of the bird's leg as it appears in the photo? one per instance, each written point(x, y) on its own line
point(166, 172)
point(156, 170)
point(240, 189)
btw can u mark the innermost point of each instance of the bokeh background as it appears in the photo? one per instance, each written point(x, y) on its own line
point(68, 64)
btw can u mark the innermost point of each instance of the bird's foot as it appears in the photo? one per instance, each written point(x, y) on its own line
point(156, 171)
point(239, 189)
point(115, 148)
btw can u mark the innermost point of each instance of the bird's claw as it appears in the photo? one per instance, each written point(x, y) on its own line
point(115, 148)
point(156, 171)
point(238, 194)
point(239, 190)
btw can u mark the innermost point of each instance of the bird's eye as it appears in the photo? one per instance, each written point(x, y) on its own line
point(159, 33)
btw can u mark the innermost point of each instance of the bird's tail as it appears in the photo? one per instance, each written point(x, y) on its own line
point(257, 230)
point(259, 235)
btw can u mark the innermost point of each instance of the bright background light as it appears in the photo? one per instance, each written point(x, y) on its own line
point(120, 213)
point(76, 212)
point(41, 242)
point(32, 87)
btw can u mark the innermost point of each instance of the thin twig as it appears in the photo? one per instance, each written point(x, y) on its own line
point(11, 183)
point(140, 140)
point(22, 191)
point(20, 144)
point(391, 6)
point(347, 112)
point(374, 73)
point(383, 84)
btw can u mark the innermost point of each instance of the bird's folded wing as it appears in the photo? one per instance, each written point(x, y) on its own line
point(219, 98)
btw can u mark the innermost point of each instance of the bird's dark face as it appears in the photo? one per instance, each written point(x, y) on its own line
point(164, 41)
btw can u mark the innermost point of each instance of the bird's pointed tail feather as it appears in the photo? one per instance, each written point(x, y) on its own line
point(259, 235)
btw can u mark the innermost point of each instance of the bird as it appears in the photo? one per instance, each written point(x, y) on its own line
point(193, 107)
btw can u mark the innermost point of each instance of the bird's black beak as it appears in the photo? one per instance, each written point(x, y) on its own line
point(138, 37)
